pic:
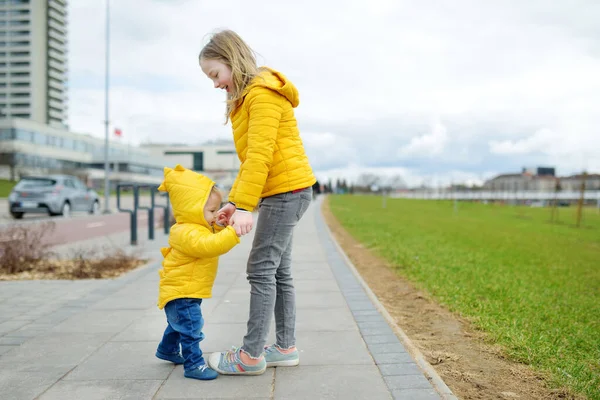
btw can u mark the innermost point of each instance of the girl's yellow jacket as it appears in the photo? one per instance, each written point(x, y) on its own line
point(267, 141)
point(191, 260)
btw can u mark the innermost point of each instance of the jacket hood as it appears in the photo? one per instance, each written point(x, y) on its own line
point(188, 193)
point(275, 80)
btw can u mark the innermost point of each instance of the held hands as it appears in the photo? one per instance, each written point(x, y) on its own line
point(222, 218)
point(241, 221)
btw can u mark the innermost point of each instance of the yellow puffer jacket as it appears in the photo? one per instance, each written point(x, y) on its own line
point(267, 141)
point(191, 260)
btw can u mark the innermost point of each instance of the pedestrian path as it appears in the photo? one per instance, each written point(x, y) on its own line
point(96, 339)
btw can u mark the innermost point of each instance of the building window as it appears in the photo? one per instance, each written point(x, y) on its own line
point(7, 134)
point(198, 161)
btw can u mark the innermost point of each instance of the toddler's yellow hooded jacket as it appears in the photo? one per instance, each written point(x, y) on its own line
point(191, 260)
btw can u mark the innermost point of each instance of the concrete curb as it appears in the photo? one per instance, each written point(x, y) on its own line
point(429, 371)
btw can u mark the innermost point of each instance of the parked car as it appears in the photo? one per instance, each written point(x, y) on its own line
point(53, 195)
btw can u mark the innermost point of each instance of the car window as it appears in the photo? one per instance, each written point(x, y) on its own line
point(69, 183)
point(79, 184)
point(32, 183)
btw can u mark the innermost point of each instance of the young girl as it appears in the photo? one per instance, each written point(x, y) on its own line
point(190, 266)
point(276, 176)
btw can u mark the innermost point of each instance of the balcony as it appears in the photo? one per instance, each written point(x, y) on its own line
point(56, 94)
point(56, 45)
point(57, 65)
point(56, 84)
point(57, 5)
point(52, 13)
point(61, 37)
point(53, 54)
point(56, 114)
point(54, 24)
point(55, 104)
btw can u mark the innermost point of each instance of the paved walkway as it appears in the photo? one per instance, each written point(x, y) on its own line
point(96, 339)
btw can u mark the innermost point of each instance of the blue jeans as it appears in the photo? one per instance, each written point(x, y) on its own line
point(185, 322)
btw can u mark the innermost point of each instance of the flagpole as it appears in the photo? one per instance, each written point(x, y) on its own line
point(106, 121)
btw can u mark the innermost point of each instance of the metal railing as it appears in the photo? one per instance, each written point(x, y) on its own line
point(133, 212)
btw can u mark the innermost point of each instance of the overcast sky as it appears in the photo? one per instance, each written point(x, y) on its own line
point(430, 89)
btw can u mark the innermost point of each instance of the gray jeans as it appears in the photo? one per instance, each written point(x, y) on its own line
point(269, 271)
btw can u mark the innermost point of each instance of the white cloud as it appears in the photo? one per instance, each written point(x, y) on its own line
point(514, 83)
point(541, 141)
point(429, 145)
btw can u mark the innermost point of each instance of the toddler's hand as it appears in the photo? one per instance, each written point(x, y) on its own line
point(222, 219)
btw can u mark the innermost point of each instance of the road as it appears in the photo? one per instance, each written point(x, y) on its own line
point(82, 226)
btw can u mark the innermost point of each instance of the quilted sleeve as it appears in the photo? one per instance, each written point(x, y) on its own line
point(231, 194)
point(197, 241)
point(265, 109)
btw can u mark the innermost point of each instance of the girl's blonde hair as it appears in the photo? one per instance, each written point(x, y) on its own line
point(228, 47)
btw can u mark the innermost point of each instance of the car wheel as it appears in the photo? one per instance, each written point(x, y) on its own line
point(17, 215)
point(95, 208)
point(66, 210)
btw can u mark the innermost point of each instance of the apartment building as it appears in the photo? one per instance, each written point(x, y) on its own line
point(33, 60)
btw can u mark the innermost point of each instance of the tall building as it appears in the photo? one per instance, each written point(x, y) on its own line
point(33, 60)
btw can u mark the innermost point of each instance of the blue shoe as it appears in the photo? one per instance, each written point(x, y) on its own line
point(175, 358)
point(229, 363)
point(276, 358)
point(203, 372)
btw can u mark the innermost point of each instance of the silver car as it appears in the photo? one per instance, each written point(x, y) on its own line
point(53, 195)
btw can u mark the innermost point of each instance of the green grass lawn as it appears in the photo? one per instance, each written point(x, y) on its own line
point(534, 286)
point(6, 187)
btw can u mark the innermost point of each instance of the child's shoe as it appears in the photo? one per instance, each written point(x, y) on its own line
point(229, 363)
point(175, 358)
point(275, 358)
point(203, 372)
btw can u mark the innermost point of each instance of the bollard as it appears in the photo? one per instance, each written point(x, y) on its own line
point(150, 210)
point(133, 212)
point(166, 214)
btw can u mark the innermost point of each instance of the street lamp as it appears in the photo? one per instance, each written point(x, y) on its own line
point(106, 121)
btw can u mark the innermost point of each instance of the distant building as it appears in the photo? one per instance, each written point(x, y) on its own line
point(28, 148)
point(33, 60)
point(573, 182)
point(217, 160)
point(539, 179)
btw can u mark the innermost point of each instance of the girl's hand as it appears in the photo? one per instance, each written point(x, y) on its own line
point(241, 221)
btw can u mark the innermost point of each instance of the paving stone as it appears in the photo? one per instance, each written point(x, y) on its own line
point(224, 387)
point(416, 394)
point(330, 382)
point(392, 358)
point(104, 389)
point(6, 348)
point(97, 321)
point(12, 340)
point(122, 360)
point(56, 350)
point(396, 382)
point(332, 348)
point(318, 319)
point(326, 300)
point(409, 368)
point(19, 385)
